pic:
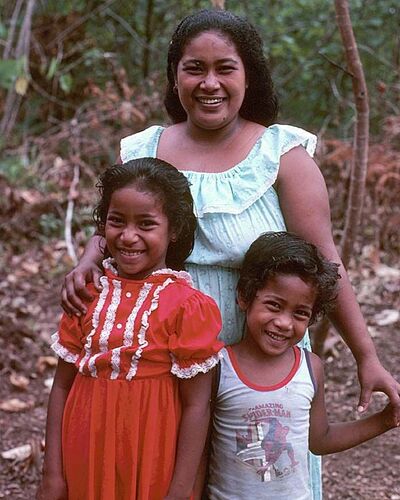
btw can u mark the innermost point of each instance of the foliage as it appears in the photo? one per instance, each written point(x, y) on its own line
point(76, 44)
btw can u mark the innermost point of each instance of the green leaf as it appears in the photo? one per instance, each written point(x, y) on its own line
point(52, 68)
point(66, 83)
point(10, 70)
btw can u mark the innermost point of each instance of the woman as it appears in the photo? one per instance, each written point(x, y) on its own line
point(248, 176)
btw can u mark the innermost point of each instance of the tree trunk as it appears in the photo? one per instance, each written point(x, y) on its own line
point(360, 151)
point(13, 100)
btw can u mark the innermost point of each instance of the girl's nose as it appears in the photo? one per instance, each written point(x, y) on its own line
point(129, 235)
point(284, 321)
point(210, 82)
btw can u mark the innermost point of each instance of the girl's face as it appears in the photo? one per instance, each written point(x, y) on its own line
point(279, 314)
point(211, 81)
point(137, 232)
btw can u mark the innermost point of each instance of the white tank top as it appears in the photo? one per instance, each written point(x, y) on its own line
point(260, 434)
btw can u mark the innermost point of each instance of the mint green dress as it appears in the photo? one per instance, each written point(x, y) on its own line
point(233, 208)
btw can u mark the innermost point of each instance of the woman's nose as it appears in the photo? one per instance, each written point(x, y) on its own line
point(210, 82)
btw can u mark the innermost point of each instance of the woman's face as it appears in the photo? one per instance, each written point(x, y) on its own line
point(211, 81)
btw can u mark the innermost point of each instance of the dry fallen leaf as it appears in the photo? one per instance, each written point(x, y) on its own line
point(45, 362)
point(14, 405)
point(19, 381)
point(387, 317)
point(49, 382)
point(19, 453)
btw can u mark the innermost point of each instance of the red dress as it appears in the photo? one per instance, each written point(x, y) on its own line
point(121, 419)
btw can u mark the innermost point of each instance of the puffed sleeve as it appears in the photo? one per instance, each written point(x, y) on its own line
point(194, 345)
point(67, 341)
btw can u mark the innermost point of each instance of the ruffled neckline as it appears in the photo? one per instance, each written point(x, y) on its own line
point(234, 190)
point(159, 275)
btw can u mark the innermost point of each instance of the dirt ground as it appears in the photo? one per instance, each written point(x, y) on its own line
point(29, 296)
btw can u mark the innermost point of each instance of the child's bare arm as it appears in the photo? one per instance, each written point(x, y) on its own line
point(328, 438)
point(195, 396)
point(53, 485)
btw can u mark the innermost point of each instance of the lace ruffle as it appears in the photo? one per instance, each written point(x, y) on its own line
point(95, 324)
point(128, 333)
point(61, 351)
point(109, 265)
point(236, 189)
point(195, 368)
point(143, 329)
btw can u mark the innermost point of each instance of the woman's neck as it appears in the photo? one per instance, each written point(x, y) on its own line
point(214, 136)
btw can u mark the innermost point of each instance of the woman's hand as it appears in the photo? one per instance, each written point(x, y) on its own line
point(373, 377)
point(52, 488)
point(74, 291)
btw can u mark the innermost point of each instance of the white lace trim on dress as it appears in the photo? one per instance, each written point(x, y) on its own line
point(195, 368)
point(128, 333)
point(61, 351)
point(110, 265)
point(110, 316)
point(95, 324)
point(144, 327)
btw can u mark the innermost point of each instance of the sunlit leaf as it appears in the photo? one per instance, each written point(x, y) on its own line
point(21, 85)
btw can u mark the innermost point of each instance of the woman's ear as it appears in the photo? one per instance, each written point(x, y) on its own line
point(241, 302)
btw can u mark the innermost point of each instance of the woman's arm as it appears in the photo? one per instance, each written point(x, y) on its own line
point(53, 486)
point(305, 206)
point(328, 438)
point(195, 396)
point(88, 270)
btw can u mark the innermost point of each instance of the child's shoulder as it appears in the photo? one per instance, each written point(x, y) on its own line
point(317, 365)
point(186, 291)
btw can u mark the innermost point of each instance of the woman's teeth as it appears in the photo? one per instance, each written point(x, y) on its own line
point(213, 100)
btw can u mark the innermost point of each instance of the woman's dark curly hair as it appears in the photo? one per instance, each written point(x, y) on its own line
point(286, 253)
point(260, 103)
point(151, 175)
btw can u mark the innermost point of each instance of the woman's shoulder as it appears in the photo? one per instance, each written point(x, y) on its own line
point(278, 139)
point(141, 144)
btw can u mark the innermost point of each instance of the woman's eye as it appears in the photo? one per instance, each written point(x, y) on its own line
point(225, 69)
point(193, 70)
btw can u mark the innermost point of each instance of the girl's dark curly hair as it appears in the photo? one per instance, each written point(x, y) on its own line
point(286, 253)
point(171, 188)
point(260, 103)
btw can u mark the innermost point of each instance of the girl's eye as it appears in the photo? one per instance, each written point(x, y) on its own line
point(273, 306)
point(303, 314)
point(147, 224)
point(114, 220)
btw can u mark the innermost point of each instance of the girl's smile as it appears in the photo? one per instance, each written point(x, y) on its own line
point(137, 232)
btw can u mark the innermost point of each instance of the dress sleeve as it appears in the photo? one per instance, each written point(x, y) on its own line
point(67, 341)
point(194, 346)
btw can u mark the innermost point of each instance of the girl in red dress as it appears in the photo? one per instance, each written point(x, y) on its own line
point(129, 408)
